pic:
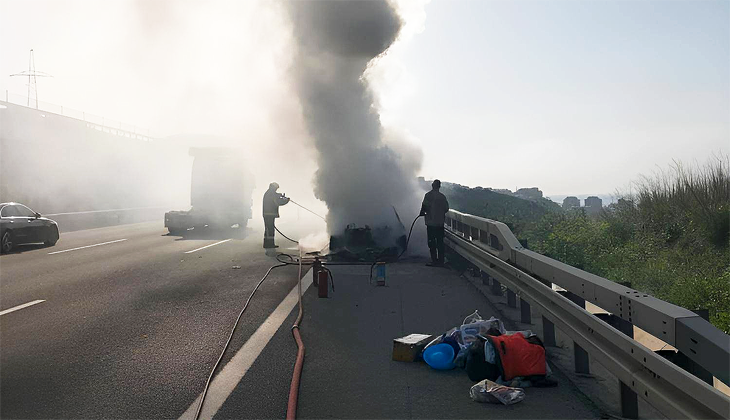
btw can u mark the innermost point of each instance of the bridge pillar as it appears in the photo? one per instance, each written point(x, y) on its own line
point(511, 299)
point(548, 332)
point(525, 315)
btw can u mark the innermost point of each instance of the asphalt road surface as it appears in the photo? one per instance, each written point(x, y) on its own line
point(131, 321)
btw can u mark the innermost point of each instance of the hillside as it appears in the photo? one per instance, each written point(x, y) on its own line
point(519, 214)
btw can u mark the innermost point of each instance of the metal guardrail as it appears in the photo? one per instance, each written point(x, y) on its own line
point(68, 222)
point(492, 247)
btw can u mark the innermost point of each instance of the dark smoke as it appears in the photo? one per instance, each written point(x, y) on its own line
point(360, 178)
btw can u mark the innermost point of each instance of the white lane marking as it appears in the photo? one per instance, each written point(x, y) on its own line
point(25, 305)
point(208, 246)
point(87, 246)
point(227, 379)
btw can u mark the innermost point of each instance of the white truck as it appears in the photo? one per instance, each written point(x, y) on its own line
point(220, 192)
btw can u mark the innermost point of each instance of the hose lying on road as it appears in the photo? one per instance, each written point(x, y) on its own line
point(291, 409)
point(230, 336)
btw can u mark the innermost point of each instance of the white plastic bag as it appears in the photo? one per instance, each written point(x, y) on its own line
point(475, 317)
point(491, 392)
point(470, 331)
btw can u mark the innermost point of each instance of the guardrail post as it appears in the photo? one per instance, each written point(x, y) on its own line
point(511, 299)
point(548, 332)
point(582, 362)
point(629, 402)
point(525, 315)
point(485, 278)
point(629, 399)
point(496, 287)
point(680, 359)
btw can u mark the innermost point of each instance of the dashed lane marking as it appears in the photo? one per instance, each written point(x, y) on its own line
point(87, 246)
point(25, 305)
point(208, 246)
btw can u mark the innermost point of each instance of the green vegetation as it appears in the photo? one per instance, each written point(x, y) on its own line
point(669, 239)
point(517, 213)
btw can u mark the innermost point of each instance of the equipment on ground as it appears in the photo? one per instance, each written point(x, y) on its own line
point(220, 193)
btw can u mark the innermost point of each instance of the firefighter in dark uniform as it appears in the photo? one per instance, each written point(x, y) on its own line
point(434, 208)
point(272, 201)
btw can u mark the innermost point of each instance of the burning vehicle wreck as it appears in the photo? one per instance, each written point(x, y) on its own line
point(368, 244)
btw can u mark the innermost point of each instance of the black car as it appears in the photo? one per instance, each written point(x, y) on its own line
point(21, 225)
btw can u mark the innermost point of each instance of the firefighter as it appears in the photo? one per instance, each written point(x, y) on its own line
point(272, 201)
point(434, 208)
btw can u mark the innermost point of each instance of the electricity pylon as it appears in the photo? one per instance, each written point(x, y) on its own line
point(32, 74)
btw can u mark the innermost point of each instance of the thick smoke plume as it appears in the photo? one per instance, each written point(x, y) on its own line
point(359, 176)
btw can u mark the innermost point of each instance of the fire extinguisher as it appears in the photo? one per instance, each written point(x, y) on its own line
point(323, 286)
point(324, 276)
point(316, 268)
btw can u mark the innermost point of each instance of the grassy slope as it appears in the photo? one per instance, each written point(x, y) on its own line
point(519, 214)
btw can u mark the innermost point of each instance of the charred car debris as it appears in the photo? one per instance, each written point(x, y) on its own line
point(368, 244)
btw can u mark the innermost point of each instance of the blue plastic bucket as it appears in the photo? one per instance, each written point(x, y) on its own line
point(439, 356)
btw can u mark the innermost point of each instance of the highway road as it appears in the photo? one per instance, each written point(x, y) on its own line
point(131, 321)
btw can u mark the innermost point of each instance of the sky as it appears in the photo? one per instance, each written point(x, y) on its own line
point(574, 97)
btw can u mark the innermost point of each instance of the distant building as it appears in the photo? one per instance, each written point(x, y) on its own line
point(533, 193)
point(593, 205)
point(570, 203)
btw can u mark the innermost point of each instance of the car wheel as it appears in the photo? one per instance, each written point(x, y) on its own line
point(6, 243)
point(175, 231)
point(52, 236)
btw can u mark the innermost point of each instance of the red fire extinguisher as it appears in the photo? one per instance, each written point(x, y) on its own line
point(323, 286)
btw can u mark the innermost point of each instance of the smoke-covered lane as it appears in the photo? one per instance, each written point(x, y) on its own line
point(129, 329)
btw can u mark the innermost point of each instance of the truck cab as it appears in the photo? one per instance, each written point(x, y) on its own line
point(220, 192)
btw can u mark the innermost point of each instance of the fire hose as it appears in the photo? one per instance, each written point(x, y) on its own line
point(230, 336)
point(298, 365)
point(291, 409)
point(286, 237)
point(277, 229)
point(293, 400)
point(399, 255)
point(307, 209)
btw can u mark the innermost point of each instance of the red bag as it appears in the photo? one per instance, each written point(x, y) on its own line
point(518, 357)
